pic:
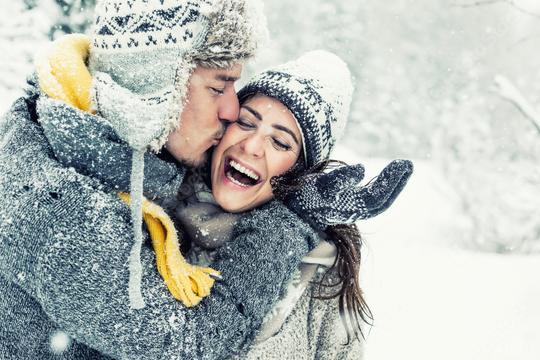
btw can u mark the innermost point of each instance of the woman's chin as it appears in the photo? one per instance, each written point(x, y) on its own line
point(235, 203)
point(231, 201)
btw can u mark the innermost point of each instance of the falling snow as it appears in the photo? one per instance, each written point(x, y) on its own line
point(435, 272)
point(59, 342)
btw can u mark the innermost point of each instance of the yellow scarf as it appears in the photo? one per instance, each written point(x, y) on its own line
point(63, 75)
point(62, 71)
point(186, 282)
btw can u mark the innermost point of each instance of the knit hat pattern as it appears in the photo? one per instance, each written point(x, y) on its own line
point(150, 48)
point(139, 25)
point(207, 26)
point(317, 88)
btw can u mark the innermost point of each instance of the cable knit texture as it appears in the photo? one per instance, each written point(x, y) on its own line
point(65, 238)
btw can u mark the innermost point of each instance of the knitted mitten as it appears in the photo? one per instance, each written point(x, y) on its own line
point(334, 198)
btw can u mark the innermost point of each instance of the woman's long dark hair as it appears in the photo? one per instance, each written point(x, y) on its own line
point(353, 308)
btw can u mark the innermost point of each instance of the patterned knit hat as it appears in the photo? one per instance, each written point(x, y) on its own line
point(142, 56)
point(144, 51)
point(317, 89)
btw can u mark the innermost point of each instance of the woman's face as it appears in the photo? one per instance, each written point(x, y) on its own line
point(263, 143)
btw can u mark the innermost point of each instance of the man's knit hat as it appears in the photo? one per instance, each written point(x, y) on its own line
point(144, 51)
point(317, 88)
point(142, 56)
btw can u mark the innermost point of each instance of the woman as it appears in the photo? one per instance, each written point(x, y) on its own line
point(273, 138)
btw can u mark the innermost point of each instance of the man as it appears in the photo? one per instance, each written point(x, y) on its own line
point(211, 103)
point(58, 225)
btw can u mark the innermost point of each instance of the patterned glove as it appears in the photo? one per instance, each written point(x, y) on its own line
point(334, 198)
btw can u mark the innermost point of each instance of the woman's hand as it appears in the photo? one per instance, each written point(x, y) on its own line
point(334, 198)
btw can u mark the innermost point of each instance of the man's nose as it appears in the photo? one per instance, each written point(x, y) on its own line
point(229, 108)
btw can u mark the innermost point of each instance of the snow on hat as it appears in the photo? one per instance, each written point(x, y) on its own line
point(144, 51)
point(142, 56)
point(317, 89)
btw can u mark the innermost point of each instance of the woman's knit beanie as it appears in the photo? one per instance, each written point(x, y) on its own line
point(317, 88)
point(142, 55)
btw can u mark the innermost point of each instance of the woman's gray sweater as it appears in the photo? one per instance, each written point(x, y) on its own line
point(65, 239)
point(312, 331)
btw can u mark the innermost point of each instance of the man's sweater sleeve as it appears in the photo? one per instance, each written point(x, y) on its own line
point(89, 145)
point(67, 242)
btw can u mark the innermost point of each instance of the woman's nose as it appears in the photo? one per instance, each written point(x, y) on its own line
point(253, 145)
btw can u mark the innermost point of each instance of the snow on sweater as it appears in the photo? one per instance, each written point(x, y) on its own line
point(65, 239)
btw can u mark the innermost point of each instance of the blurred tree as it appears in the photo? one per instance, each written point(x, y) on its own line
point(22, 33)
point(487, 147)
point(76, 17)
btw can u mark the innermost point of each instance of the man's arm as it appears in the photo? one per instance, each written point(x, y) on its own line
point(89, 144)
point(66, 242)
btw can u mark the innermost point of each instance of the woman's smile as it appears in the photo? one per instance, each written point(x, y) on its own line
point(239, 175)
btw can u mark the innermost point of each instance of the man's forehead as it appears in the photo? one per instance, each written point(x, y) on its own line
point(230, 74)
point(226, 78)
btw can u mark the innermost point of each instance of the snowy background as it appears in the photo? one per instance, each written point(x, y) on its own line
point(450, 271)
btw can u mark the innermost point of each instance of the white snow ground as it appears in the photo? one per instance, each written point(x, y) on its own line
point(434, 300)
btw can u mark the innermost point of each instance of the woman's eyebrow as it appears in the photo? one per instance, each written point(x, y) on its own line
point(253, 111)
point(275, 126)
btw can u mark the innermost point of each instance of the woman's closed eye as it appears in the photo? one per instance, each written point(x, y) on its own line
point(278, 142)
point(245, 124)
point(281, 144)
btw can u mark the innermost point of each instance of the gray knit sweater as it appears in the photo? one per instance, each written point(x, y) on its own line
point(300, 326)
point(312, 331)
point(65, 240)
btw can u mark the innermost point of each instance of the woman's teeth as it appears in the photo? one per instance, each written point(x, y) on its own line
point(243, 170)
point(234, 181)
